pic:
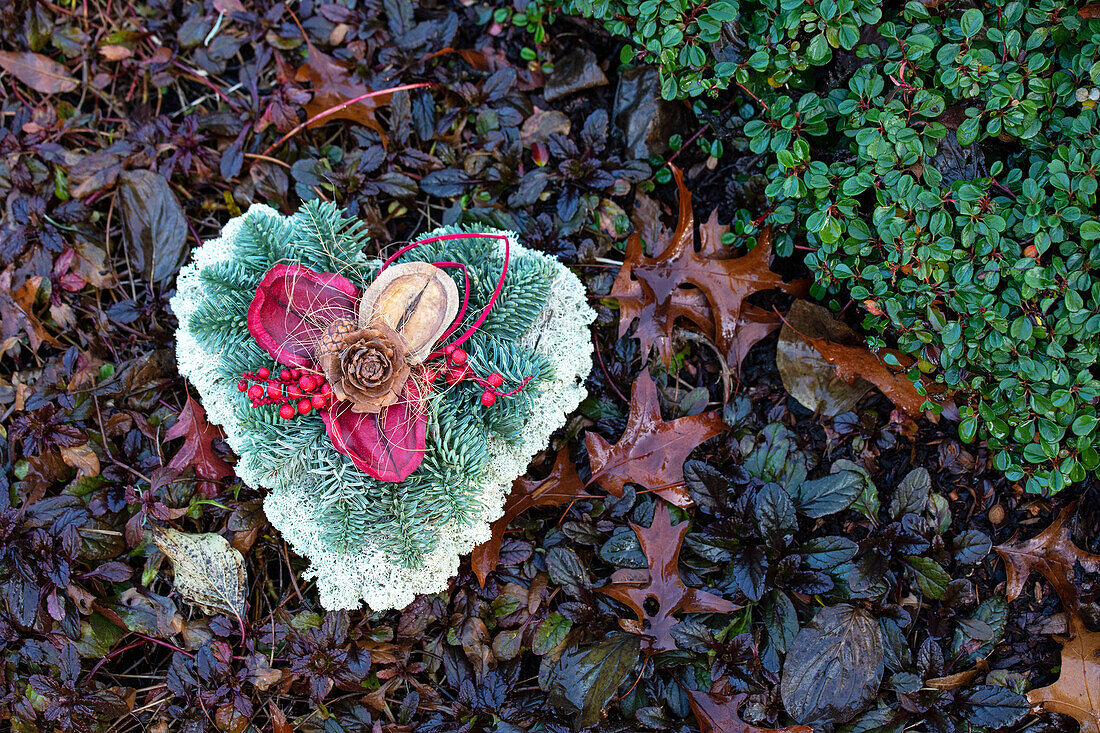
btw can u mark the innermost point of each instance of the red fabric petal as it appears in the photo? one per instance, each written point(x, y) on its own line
point(388, 446)
point(293, 306)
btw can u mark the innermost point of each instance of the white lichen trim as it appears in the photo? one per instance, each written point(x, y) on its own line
point(346, 580)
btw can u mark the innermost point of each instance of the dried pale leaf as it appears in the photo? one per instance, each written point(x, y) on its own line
point(806, 375)
point(417, 300)
point(208, 571)
point(39, 72)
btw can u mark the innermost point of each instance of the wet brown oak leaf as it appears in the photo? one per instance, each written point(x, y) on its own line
point(651, 451)
point(1053, 555)
point(334, 83)
point(198, 449)
point(675, 284)
point(854, 362)
point(661, 543)
point(721, 714)
point(562, 486)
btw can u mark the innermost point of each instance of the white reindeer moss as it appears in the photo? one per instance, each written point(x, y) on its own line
point(368, 541)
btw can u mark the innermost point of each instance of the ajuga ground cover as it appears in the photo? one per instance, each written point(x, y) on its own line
point(695, 550)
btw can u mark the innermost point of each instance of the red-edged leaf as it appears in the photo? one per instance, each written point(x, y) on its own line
point(292, 308)
point(388, 446)
point(197, 450)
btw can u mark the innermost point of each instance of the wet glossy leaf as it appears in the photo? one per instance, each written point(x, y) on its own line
point(198, 449)
point(1053, 554)
point(829, 494)
point(931, 578)
point(971, 546)
point(702, 287)
point(585, 679)
point(156, 230)
point(911, 496)
point(989, 706)
point(661, 543)
point(833, 667)
point(651, 451)
point(854, 364)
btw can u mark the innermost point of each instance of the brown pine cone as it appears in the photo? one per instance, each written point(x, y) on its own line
point(332, 340)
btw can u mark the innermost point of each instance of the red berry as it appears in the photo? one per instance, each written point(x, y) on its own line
point(326, 388)
point(488, 398)
point(430, 375)
point(307, 382)
point(304, 406)
point(295, 373)
point(243, 385)
point(293, 391)
point(286, 411)
point(275, 391)
point(285, 375)
point(263, 373)
point(495, 379)
point(457, 374)
point(458, 357)
point(318, 401)
point(255, 392)
point(449, 349)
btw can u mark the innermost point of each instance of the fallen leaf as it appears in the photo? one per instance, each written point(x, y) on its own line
point(334, 83)
point(855, 363)
point(82, 458)
point(198, 449)
point(661, 543)
point(1090, 11)
point(39, 72)
point(834, 666)
point(651, 451)
point(656, 291)
point(562, 486)
point(156, 229)
point(208, 572)
point(806, 375)
point(1054, 555)
point(17, 314)
point(721, 714)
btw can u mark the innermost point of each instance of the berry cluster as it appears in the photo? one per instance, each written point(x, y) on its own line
point(457, 370)
point(295, 393)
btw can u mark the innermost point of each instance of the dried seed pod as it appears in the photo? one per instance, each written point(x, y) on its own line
point(415, 299)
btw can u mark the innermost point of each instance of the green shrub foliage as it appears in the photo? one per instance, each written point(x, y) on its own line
point(940, 163)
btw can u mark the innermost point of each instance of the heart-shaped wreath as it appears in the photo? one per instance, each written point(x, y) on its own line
point(388, 405)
